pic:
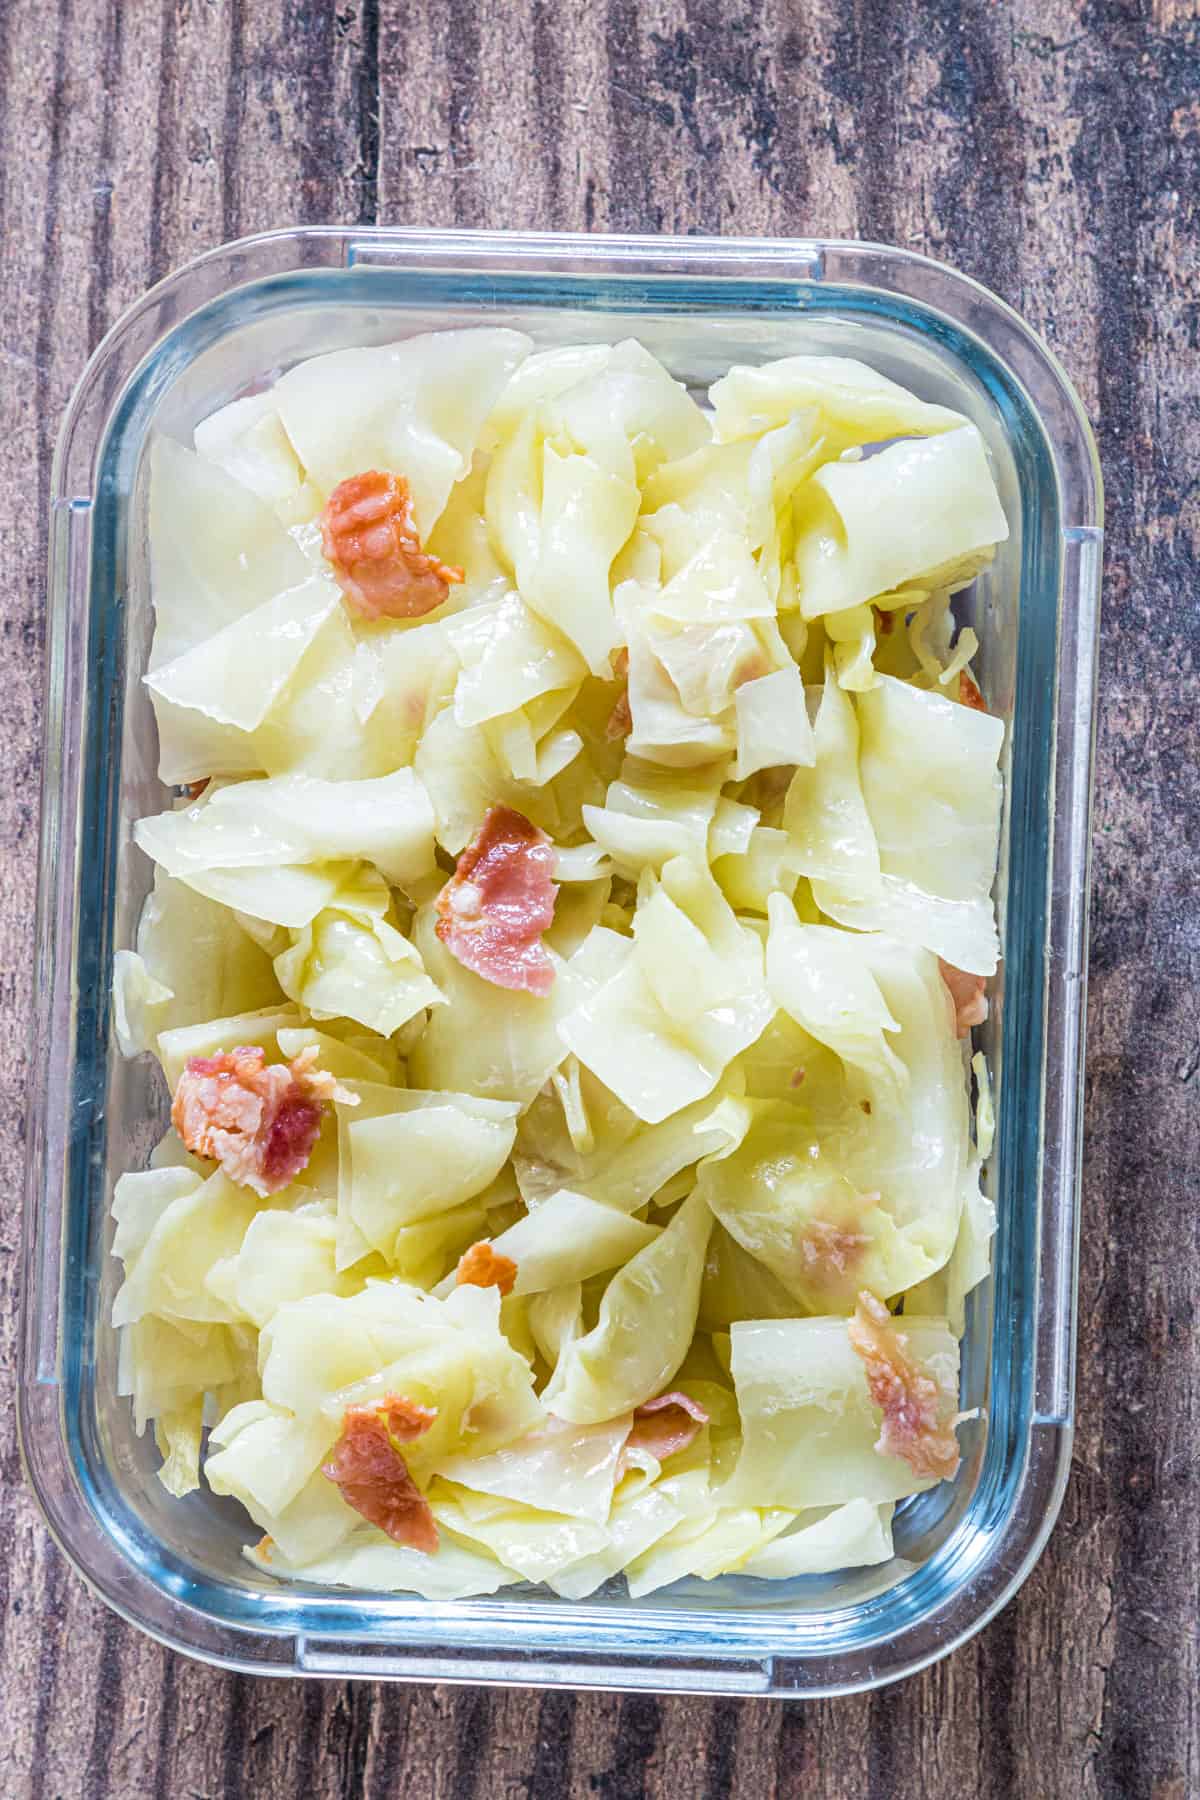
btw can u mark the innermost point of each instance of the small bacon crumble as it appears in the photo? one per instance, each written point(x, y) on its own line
point(968, 693)
point(910, 1401)
point(370, 538)
point(620, 719)
point(257, 1121)
point(887, 621)
point(481, 1266)
point(796, 1078)
point(194, 789)
point(968, 994)
point(494, 908)
point(661, 1428)
point(367, 1467)
point(825, 1246)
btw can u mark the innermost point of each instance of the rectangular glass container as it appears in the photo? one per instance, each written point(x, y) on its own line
point(198, 339)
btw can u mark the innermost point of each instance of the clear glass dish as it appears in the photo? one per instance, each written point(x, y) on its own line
point(199, 338)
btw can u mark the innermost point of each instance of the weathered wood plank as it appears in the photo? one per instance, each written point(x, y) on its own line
point(1053, 151)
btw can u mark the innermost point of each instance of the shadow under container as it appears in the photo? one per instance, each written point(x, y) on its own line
point(245, 312)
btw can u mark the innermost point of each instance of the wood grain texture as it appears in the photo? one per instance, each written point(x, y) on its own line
point(1052, 149)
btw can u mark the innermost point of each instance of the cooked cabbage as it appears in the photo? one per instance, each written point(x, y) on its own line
point(587, 1283)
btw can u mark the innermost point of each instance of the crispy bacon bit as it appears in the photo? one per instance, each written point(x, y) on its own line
point(661, 1428)
point(887, 622)
point(968, 993)
point(194, 789)
point(968, 693)
point(367, 1466)
point(481, 1266)
point(910, 1401)
point(259, 1121)
point(370, 537)
point(494, 908)
point(826, 1247)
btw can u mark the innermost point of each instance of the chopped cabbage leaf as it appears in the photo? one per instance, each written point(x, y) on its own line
point(246, 438)
point(825, 814)
point(651, 814)
point(647, 1318)
point(854, 403)
point(970, 1260)
point(352, 963)
point(217, 552)
point(298, 819)
point(200, 962)
point(509, 657)
point(490, 1041)
point(427, 1154)
point(852, 1536)
point(415, 408)
point(237, 675)
point(822, 978)
point(534, 1542)
point(933, 795)
point(808, 1422)
point(688, 996)
point(784, 1198)
point(568, 1238)
point(369, 1560)
point(773, 727)
point(924, 510)
point(559, 1468)
point(169, 1275)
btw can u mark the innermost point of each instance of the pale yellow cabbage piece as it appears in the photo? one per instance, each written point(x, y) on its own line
point(924, 510)
point(509, 657)
point(253, 1029)
point(933, 795)
point(970, 1261)
point(430, 1153)
point(559, 1468)
point(238, 674)
point(369, 1560)
point(647, 1318)
point(198, 1229)
point(688, 996)
point(853, 402)
point(415, 407)
point(852, 1536)
point(784, 1198)
point(825, 814)
point(353, 963)
point(298, 819)
point(193, 962)
point(569, 1238)
point(808, 1422)
point(217, 551)
point(488, 1040)
point(246, 438)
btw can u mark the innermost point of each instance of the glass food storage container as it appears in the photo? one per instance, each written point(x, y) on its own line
point(197, 340)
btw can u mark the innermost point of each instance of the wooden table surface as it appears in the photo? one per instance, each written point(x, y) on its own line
point(1053, 150)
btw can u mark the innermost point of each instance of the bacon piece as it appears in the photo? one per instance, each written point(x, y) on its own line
point(910, 1401)
point(194, 789)
point(366, 1465)
point(661, 1428)
point(968, 693)
point(968, 995)
point(494, 908)
point(258, 1121)
point(830, 1249)
point(887, 621)
point(370, 537)
point(481, 1266)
